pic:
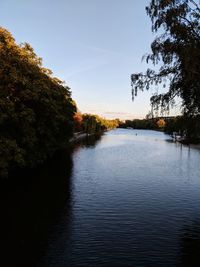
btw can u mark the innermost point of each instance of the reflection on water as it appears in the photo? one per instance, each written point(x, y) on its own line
point(34, 205)
point(190, 245)
point(90, 141)
point(31, 205)
point(132, 198)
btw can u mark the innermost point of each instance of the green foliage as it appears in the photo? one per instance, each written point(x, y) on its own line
point(146, 124)
point(177, 53)
point(186, 126)
point(95, 124)
point(36, 109)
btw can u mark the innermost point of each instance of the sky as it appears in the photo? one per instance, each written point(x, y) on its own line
point(93, 45)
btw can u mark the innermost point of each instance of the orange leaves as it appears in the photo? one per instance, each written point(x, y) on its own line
point(161, 123)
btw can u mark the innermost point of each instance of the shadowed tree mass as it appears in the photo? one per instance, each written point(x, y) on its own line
point(36, 117)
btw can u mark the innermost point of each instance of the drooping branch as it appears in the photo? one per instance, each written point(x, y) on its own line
point(178, 50)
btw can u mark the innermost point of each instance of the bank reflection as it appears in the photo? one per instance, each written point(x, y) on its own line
point(190, 245)
point(88, 142)
point(31, 205)
point(36, 212)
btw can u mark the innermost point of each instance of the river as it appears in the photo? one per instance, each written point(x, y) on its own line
point(131, 198)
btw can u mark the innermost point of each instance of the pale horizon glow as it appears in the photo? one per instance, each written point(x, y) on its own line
point(93, 45)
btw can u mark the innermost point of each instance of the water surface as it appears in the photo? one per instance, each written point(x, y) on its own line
point(133, 200)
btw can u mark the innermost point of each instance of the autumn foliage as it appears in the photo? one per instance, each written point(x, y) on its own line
point(78, 121)
point(36, 109)
point(161, 123)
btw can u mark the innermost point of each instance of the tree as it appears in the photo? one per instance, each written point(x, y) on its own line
point(94, 124)
point(36, 109)
point(78, 121)
point(177, 53)
point(161, 123)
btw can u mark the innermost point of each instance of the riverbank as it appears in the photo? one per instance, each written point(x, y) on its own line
point(82, 135)
point(185, 141)
point(78, 136)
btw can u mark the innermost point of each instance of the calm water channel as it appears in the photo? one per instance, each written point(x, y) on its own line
point(132, 198)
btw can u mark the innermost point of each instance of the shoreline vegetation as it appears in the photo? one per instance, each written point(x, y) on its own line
point(38, 116)
point(184, 129)
point(37, 109)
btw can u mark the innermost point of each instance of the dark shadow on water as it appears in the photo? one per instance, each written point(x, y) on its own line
point(190, 246)
point(92, 140)
point(88, 142)
point(31, 204)
point(169, 140)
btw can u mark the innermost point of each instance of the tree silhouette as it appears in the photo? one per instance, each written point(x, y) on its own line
point(176, 50)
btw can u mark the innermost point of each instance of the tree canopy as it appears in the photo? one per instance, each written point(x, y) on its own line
point(36, 109)
point(143, 124)
point(92, 124)
point(176, 51)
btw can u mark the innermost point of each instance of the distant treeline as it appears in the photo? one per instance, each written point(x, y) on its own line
point(187, 127)
point(93, 124)
point(146, 124)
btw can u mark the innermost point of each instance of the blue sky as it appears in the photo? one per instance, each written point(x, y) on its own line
point(94, 45)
